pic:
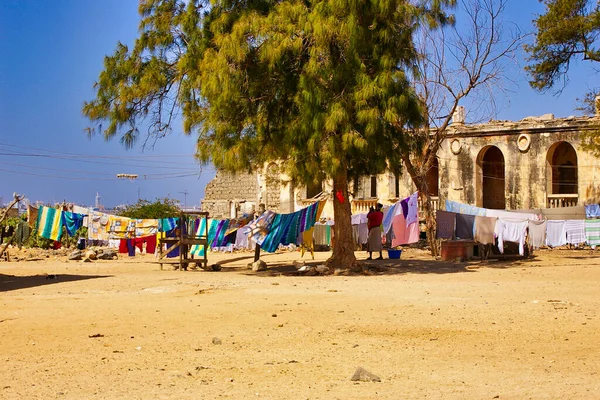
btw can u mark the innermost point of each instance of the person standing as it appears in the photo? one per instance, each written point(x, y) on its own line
point(374, 220)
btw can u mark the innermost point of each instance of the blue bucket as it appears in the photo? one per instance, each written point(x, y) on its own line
point(394, 254)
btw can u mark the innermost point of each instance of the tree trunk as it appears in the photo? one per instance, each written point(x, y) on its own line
point(430, 225)
point(343, 247)
point(420, 182)
point(16, 199)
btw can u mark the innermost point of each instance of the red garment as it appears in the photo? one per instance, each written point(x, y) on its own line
point(150, 243)
point(374, 218)
point(139, 243)
point(123, 246)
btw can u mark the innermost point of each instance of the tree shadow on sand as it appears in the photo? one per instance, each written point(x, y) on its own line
point(15, 282)
point(374, 267)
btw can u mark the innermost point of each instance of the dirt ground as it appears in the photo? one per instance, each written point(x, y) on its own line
point(124, 329)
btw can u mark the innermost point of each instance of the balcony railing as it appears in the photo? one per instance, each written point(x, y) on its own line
point(435, 205)
point(562, 200)
point(361, 206)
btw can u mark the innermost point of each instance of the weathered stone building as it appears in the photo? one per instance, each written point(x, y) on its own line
point(537, 162)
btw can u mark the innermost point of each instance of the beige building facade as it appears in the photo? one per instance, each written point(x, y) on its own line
point(537, 162)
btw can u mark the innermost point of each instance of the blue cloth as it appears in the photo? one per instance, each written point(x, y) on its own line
point(173, 253)
point(592, 211)
point(285, 228)
point(212, 229)
point(72, 221)
point(460, 208)
point(388, 216)
point(220, 234)
point(198, 249)
point(167, 224)
point(131, 247)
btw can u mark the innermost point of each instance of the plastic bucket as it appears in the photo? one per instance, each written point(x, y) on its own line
point(394, 254)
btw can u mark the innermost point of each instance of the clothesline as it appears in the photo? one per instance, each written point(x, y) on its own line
point(505, 226)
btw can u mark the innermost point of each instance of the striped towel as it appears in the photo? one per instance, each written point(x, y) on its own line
point(198, 249)
point(592, 232)
point(50, 223)
point(575, 231)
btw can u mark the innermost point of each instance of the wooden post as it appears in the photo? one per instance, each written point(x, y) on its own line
point(16, 199)
point(257, 252)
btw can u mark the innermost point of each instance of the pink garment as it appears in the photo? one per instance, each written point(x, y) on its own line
point(404, 234)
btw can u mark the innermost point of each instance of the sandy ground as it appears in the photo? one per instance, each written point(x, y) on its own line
point(127, 330)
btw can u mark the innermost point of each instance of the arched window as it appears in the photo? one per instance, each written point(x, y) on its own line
point(491, 178)
point(562, 176)
point(562, 160)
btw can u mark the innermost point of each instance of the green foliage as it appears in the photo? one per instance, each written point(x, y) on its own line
point(320, 85)
point(568, 30)
point(160, 208)
point(35, 240)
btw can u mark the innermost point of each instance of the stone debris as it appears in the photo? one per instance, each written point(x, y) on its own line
point(259, 265)
point(107, 254)
point(216, 340)
point(363, 375)
point(76, 255)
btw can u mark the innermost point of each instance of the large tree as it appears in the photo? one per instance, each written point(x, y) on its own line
point(320, 86)
point(568, 31)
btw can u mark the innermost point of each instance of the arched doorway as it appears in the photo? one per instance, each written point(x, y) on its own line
point(490, 176)
point(433, 178)
point(563, 179)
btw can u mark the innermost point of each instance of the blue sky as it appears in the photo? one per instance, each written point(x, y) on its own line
point(52, 53)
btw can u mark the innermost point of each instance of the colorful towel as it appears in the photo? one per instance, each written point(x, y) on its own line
point(98, 226)
point(592, 232)
point(220, 234)
point(260, 226)
point(212, 229)
point(167, 224)
point(198, 249)
point(72, 221)
point(285, 228)
point(120, 227)
point(49, 223)
point(146, 227)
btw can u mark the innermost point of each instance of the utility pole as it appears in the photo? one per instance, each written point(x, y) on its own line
point(184, 193)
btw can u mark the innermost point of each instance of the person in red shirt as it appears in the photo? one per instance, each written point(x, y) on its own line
point(374, 220)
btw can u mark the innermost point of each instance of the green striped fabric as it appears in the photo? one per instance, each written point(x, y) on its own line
point(592, 231)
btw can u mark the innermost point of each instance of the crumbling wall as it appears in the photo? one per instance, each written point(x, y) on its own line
point(230, 195)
